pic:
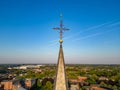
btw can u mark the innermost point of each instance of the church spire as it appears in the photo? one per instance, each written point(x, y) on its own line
point(60, 82)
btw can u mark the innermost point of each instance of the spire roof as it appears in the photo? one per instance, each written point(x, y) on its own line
point(60, 83)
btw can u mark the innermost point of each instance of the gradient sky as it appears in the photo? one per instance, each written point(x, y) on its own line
point(26, 34)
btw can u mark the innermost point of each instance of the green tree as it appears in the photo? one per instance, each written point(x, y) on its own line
point(102, 84)
point(39, 84)
point(38, 87)
point(95, 77)
point(48, 86)
point(90, 81)
point(115, 87)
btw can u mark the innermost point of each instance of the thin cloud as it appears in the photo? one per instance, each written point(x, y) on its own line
point(104, 25)
point(93, 35)
point(108, 24)
point(115, 24)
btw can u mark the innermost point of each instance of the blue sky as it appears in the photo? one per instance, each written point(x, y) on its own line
point(26, 34)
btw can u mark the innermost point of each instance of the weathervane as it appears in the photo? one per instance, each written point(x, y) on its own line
point(61, 28)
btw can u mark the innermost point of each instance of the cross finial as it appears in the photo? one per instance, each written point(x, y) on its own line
point(61, 28)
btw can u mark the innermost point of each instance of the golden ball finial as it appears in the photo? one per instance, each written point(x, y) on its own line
point(60, 40)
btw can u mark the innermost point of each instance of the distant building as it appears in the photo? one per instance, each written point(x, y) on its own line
point(24, 67)
point(81, 79)
point(97, 87)
point(75, 83)
point(37, 70)
point(78, 80)
point(17, 84)
point(74, 87)
point(21, 88)
point(7, 84)
point(103, 78)
point(30, 82)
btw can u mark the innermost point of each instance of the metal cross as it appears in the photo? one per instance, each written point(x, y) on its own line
point(61, 28)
